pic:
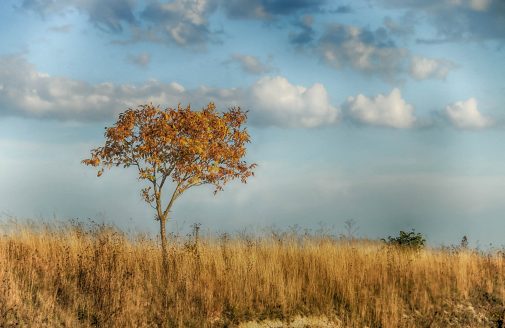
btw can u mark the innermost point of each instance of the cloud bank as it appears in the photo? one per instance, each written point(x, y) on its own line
point(272, 100)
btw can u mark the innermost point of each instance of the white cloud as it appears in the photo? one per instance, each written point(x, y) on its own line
point(272, 101)
point(28, 92)
point(465, 115)
point(24, 91)
point(276, 100)
point(382, 110)
point(422, 68)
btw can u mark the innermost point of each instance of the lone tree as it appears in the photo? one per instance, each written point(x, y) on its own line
point(188, 148)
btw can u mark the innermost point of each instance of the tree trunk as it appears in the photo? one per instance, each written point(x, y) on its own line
point(164, 254)
point(163, 236)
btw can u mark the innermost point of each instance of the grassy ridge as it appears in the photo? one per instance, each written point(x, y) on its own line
point(71, 277)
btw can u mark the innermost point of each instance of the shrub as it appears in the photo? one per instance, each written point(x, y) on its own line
point(410, 239)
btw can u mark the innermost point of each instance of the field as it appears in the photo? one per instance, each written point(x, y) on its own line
point(72, 276)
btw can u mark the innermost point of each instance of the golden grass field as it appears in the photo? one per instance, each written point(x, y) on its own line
point(71, 276)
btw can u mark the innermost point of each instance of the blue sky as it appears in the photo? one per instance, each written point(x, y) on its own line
point(387, 112)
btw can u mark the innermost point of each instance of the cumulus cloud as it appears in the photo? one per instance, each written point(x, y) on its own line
point(276, 100)
point(382, 110)
point(422, 68)
point(24, 91)
point(108, 15)
point(466, 115)
point(250, 64)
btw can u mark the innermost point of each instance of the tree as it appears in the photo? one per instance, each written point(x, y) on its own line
point(189, 148)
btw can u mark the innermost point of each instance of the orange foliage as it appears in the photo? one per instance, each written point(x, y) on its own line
point(189, 147)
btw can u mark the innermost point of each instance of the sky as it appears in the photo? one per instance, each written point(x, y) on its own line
point(386, 112)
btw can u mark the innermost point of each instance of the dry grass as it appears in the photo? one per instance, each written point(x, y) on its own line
point(74, 277)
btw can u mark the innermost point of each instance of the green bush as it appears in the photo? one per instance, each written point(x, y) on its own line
point(410, 240)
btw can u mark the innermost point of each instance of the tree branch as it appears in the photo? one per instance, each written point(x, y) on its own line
point(172, 199)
